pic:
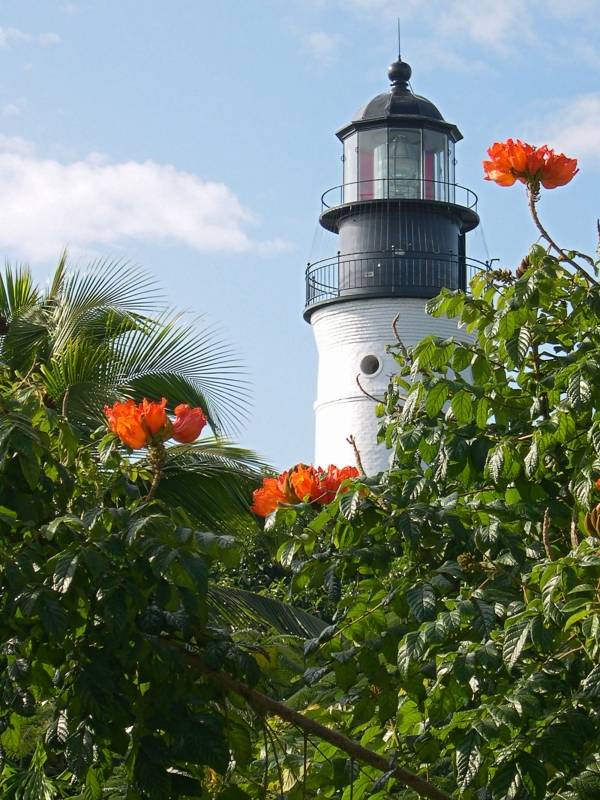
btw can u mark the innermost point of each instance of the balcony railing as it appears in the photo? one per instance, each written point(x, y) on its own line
point(393, 273)
point(399, 189)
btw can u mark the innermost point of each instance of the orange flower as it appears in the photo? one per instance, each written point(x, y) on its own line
point(558, 171)
point(301, 483)
point(304, 482)
point(155, 416)
point(268, 497)
point(333, 479)
point(518, 161)
point(188, 423)
point(127, 421)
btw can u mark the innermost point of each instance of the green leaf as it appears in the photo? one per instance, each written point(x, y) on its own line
point(518, 345)
point(495, 462)
point(533, 775)
point(422, 601)
point(411, 652)
point(64, 572)
point(515, 639)
point(532, 459)
point(484, 619)
point(436, 397)
point(590, 686)
point(462, 407)
point(468, 759)
point(578, 390)
point(587, 783)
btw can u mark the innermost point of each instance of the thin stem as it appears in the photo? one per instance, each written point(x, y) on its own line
point(351, 440)
point(546, 534)
point(532, 201)
point(156, 458)
point(574, 530)
point(311, 726)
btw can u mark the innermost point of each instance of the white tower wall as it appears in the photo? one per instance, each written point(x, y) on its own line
point(346, 332)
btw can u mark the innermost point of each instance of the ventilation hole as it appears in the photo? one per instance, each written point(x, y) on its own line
point(370, 365)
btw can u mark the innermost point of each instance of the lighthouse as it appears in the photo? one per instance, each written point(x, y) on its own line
point(401, 221)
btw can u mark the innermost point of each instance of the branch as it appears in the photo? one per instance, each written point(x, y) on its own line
point(364, 391)
point(310, 726)
point(546, 535)
point(403, 349)
point(532, 201)
point(351, 440)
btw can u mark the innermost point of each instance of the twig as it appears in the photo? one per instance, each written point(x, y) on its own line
point(156, 458)
point(25, 378)
point(311, 726)
point(364, 391)
point(403, 349)
point(546, 534)
point(532, 201)
point(574, 530)
point(351, 440)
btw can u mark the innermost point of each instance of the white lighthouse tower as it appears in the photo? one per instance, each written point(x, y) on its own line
point(401, 221)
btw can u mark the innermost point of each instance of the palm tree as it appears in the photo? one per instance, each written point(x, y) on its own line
point(101, 333)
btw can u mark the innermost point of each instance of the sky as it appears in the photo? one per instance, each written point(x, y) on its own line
point(195, 138)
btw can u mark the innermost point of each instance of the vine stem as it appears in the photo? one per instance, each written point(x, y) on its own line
point(310, 726)
point(533, 198)
point(156, 457)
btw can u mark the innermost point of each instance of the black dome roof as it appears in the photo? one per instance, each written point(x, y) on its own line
point(399, 101)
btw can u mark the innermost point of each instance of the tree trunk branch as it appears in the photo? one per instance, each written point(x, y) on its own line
point(311, 727)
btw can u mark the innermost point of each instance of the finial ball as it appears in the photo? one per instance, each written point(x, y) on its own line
point(399, 72)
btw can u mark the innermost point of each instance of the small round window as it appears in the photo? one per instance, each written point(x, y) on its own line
point(370, 365)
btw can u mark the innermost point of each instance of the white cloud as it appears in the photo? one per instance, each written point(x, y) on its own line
point(9, 35)
point(503, 26)
point(14, 109)
point(48, 38)
point(322, 46)
point(572, 127)
point(45, 205)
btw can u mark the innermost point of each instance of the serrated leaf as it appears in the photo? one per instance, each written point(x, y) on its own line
point(436, 398)
point(495, 462)
point(64, 572)
point(484, 619)
point(462, 407)
point(468, 759)
point(518, 345)
point(410, 652)
point(532, 459)
point(578, 390)
point(515, 639)
point(349, 503)
point(422, 601)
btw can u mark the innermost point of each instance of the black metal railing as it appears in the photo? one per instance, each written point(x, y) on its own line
point(399, 189)
point(394, 272)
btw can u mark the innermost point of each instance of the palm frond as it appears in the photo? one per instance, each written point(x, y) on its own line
point(241, 609)
point(213, 481)
point(17, 290)
point(169, 346)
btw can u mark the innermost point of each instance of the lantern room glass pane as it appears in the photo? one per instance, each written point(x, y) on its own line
point(350, 168)
point(451, 171)
point(435, 165)
point(405, 163)
point(372, 164)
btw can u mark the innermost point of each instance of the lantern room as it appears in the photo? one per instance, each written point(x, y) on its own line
point(400, 215)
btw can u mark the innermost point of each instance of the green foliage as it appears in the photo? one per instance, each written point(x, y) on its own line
point(466, 640)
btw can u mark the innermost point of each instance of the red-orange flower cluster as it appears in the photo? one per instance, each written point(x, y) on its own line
point(300, 483)
point(148, 423)
point(518, 161)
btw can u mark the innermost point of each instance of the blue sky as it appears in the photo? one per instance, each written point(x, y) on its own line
point(195, 138)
